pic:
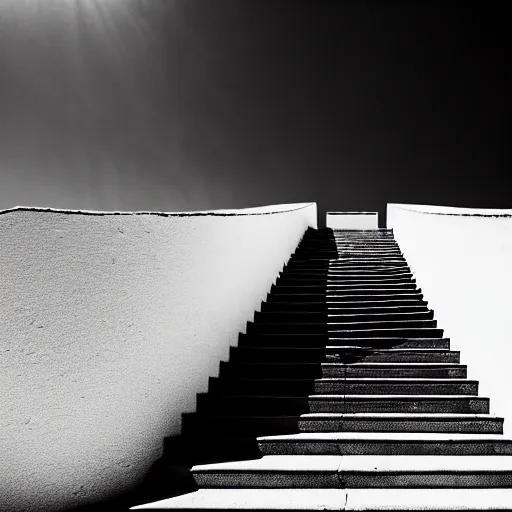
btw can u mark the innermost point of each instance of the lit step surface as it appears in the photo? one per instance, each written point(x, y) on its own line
point(330, 471)
point(338, 500)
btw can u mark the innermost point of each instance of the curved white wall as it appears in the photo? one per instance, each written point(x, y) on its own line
point(109, 326)
point(462, 259)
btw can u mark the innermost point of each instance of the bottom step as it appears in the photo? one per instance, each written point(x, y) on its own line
point(359, 471)
point(337, 499)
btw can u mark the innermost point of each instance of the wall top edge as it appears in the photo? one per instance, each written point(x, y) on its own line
point(453, 211)
point(259, 210)
point(351, 213)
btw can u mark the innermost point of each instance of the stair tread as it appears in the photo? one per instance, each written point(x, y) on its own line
point(384, 436)
point(254, 499)
point(400, 415)
point(348, 396)
point(365, 463)
point(391, 379)
point(338, 499)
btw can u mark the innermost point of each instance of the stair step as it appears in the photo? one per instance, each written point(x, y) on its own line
point(361, 309)
point(346, 307)
point(337, 499)
point(272, 471)
point(205, 449)
point(306, 307)
point(283, 340)
point(338, 317)
point(404, 370)
point(355, 471)
point(391, 332)
point(367, 265)
point(352, 355)
point(375, 299)
point(385, 443)
point(237, 425)
point(330, 281)
point(347, 289)
point(297, 276)
point(335, 346)
point(343, 316)
point(320, 355)
point(277, 355)
point(403, 403)
point(312, 267)
point(336, 327)
point(236, 386)
point(401, 422)
point(271, 370)
point(261, 404)
point(398, 386)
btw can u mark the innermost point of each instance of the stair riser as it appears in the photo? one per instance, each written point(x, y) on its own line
point(308, 355)
point(368, 265)
point(271, 371)
point(411, 373)
point(316, 341)
point(445, 405)
point(298, 328)
point(393, 270)
point(346, 307)
point(407, 388)
point(415, 299)
point(341, 309)
point(348, 290)
point(308, 317)
point(261, 387)
point(340, 282)
point(447, 427)
point(385, 333)
point(305, 278)
point(331, 286)
point(346, 317)
point(252, 405)
point(429, 356)
point(353, 480)
point(246, 427)
point(277, 355)
point(266, 480)
point(294, 307)
point(358, 447)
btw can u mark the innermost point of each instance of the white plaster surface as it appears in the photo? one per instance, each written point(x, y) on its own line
point(462, 258)
point(363, 220)
point(339, 499)
point(109, 326)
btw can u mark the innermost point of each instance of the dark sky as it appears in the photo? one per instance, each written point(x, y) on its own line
point(197, 104)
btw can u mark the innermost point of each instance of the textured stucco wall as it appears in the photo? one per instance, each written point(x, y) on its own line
point(109, 326)
point(461, 258)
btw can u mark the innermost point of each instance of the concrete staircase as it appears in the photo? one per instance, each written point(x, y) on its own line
point(355, 396)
